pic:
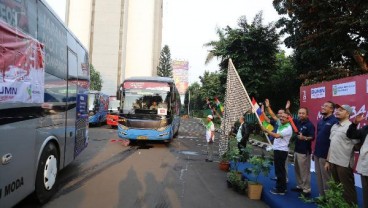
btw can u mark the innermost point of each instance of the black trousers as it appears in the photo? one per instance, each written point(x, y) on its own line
point(365, 190)
point(242, 144)
point(279, 161)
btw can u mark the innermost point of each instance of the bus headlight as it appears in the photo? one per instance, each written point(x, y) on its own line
point(123, 127)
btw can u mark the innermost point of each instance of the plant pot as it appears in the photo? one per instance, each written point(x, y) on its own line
point(254, 191)
point(224, 166)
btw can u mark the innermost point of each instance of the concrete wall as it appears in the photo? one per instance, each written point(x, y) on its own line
point(121, 35)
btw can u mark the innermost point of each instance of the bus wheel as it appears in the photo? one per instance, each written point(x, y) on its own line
point(47, 173)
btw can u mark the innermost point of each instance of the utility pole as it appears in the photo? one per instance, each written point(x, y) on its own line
point(188, 101)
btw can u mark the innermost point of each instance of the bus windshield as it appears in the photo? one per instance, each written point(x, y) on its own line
point(144, 101)
point(114, 104)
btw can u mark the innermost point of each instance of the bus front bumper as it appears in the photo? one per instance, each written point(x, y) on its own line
point(143, 134)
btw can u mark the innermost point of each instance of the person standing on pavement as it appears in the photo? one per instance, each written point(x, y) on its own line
point(210, 137)
point(322, 145)
point(243, 134)
point(302, 152)
point(280, 149)
point(362, 166)
point(340, 158)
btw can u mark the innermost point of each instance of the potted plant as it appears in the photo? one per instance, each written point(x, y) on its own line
point(235, 181)
point(224, 162)
point(232, 154)
point(259, 164)
point(244, 154)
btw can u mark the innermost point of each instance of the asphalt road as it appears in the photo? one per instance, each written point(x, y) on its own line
point(110, 174)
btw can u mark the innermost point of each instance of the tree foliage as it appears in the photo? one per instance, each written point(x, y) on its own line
point(164, 69)
point(329, 37)
point(210, 82)
point(96, 81)
point(193, 97)
point(253, 48)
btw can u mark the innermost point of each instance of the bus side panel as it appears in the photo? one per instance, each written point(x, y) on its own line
point(17, 155)
point(53, 35)
point(71, 113)
point(78, 77)
point(17, 176)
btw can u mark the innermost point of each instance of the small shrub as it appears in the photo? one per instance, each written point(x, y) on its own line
point(235, 179)
point(260, 164)
point(332, 198)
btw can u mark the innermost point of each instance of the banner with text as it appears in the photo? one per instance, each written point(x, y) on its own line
point(180, 75)
point(21, 67)
point(351, 90)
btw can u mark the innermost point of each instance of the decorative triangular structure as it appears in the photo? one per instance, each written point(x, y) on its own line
point(237, 102)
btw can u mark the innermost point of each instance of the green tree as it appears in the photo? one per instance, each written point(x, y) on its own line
point(329, 37)
point(96, 81)
point(211, 85)
point(252, 47)
point(282, 84)
point(194, 100)
point(164, 69)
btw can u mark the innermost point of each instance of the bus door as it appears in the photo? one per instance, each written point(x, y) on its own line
point(71, 105)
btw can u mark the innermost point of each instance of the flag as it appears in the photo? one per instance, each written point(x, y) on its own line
point(293, 124)
point(261, 115)
point(237, 102)
point(258, 110)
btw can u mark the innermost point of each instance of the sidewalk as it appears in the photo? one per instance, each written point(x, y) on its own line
point(204, 180)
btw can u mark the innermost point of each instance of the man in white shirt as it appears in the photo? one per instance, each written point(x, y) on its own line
point(280, 149)
point(210, 137)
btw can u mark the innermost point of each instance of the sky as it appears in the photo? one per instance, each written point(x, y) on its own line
point(188, 24)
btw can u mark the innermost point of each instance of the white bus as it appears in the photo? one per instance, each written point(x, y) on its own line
point(44, 84)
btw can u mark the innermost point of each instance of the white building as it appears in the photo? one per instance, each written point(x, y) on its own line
point(123, 37)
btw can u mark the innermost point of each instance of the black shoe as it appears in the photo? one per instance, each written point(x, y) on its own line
point(297, 189)
point(275, 189)
point(277, 192)
point(207, 160)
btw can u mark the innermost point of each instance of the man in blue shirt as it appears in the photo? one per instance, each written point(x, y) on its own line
point(303, 151)
point(323, 144)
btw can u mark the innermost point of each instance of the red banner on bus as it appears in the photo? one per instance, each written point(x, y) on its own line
point(21, 67)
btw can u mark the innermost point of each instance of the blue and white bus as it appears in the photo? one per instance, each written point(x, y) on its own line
point(149, 109)
point(44, 84)
point(98, 104)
